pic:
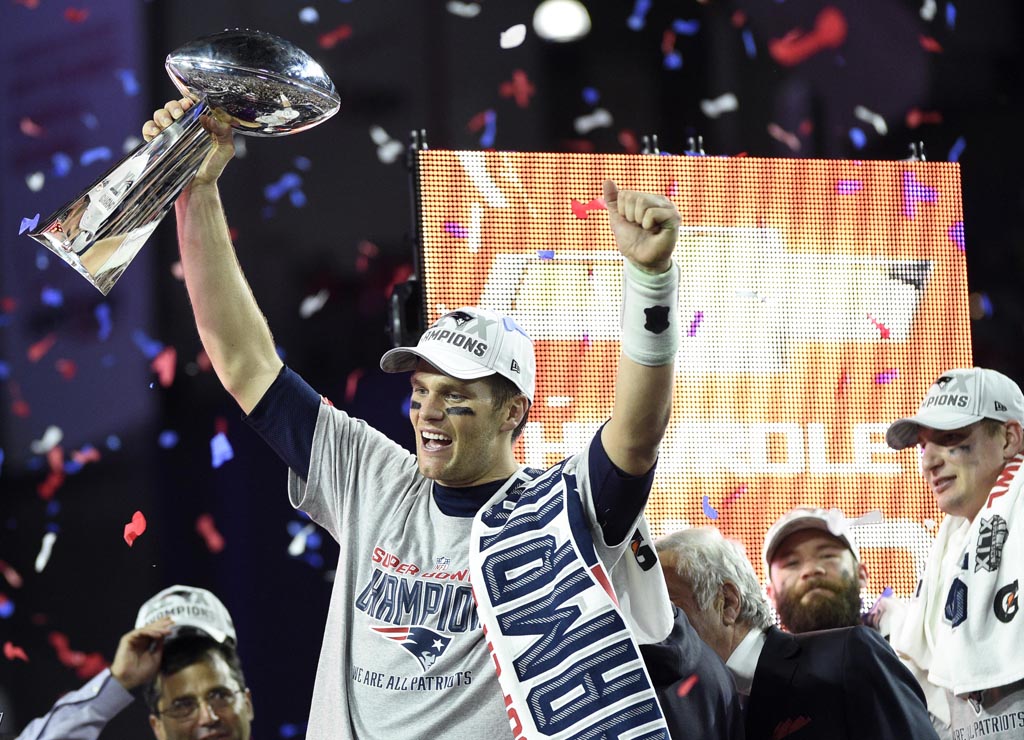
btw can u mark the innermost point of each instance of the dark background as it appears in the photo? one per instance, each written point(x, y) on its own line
point(77, 76)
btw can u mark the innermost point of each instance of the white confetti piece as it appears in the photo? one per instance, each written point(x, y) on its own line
point(313, 303)
point(513, 36)
point(44, 551)
point(714, 107)
point(50, 439)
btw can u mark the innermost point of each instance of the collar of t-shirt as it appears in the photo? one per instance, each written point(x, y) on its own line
point(464, 502)
point(743, 661)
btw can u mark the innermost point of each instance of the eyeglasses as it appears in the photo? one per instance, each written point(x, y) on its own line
point(187, 707)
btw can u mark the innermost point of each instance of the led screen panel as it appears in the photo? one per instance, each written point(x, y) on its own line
point(819, 300)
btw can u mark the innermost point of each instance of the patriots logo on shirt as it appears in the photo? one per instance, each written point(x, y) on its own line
point(424, 644)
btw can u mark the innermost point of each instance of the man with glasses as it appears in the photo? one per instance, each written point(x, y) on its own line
point(962, 631)
point(182, 656)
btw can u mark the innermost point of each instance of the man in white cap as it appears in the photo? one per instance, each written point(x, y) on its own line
point(182, 656)
point(474, 597)
point(814, 571)
point(962, 631)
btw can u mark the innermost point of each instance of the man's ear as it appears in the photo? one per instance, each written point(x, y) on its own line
point(730, 603)
point(516, 413)
point(157, 727)
point(1014, 439)
point(862, 574)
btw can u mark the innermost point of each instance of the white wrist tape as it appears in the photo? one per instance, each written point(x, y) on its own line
point(650, 315)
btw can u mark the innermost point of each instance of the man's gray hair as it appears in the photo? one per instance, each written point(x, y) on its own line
point(706, 560)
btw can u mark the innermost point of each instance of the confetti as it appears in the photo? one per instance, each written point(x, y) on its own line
point(298, 544)
point(38, 350)
point(164, 366)
point(27, 224)
point(102, 314)
point(709, 510)
point(638, 17)
point(785, 137)
point(388, 149)
point(600, 118)
point(795, 47)
point(76, 15)
point(277, 190)
point(45, 549)
point(134, 529)
point(62, 164)
point(686, 685)
point(12, 576)
point(872, 118)
point(52, 437)
point(463, 10)
point(915, 192)
point(35, 182)
point(513, 36)
point(31, 128)
point(930, 44)
point(685, 27)
point(208, 531)
point(52, 297)
point(591, 96)
point(749, 46)
point(858, 138)
point(519, 88)
point(129, 83)
point(12, 652)
point(352, 383)
point(6, 607)
point(150, 347)
point(95, 154)
point(330, 39)
point(313, 303)
point(928, 10)
point(68, 369)
point(309, 15)
point(220, 450)
point(957, 149)
point(714, 107)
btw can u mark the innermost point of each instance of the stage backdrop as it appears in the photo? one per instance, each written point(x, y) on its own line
point(819, 300)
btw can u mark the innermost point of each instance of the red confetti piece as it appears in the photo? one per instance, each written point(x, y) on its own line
point(883, 330)
point(220, 425)
point(134, 528)
point(628, 141)
point(49, 486)
point(12, 576)
point(12, 651)
point(916, 117)
point(930, 44)
point(30, 128)
point(578, 145)
point(67, 368)
point(76, 15)
point(519, 88)
point(668, 41)
point(163, 365)
point(352, 383)
point(208, 531)
point(400, 275)
point(582, 210)
point(795, 47)
point(30, 4)
point(739, 19)
point(203, 361)
point(8, 304)
point(86, 665)
point(685, 686)
point(88, 455)
point(40, 348)
point(330, 39)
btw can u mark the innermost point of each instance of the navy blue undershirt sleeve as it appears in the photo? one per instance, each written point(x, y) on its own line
point(286, 418)
point(618, 496)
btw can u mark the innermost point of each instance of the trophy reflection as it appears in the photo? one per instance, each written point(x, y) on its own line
point(260, 83)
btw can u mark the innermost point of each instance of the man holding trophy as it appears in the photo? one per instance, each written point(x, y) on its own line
point(411, 656)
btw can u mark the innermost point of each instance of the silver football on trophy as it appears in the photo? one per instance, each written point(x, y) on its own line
point(261, 83)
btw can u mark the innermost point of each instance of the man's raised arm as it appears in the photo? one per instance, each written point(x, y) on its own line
point(646, 227)
point(231, 326)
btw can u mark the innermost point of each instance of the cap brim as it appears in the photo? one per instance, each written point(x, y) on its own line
point(903, 433)
point(796, 525)
point(405, 359)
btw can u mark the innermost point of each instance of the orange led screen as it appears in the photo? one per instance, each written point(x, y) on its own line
point(819, 299)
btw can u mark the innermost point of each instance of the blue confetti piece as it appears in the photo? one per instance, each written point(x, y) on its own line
point(129, 84)
point(748, 43)
point(96, 154)
point(6, 607)
point(490, 129)
point(277, 190)
point(28, 223)
point(545, 254)
point(591, 96)
point(302, 163)
point(72, 466)
point(887, 376)
point(298, 198)
point(150, 347)
point(313, 540)
point(685, 27)
point(637, 19)
point(90, 121)
point(62, 164)
point(167, 439)
point(102, 314)
point(220, 450)
point(951, 15)
point(113, 443)
point(709, 510)
point(53, 527)
point(293, 528)
point(51, 297)
point(289, 730)
point(42, 260)
point(108, 361)
point(1, 457)
point(405, 406)
point(267, 212)
point(53, 508)
point(673, 60)
point(858, 138)
point(987, 309)
point(309, 15)
point(5, 370)
point(315, 559)
point(957, 149)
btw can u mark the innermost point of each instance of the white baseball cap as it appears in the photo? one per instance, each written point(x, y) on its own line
point(960, 397)
point(190, 607)
point(471, 343)
point(832, 521)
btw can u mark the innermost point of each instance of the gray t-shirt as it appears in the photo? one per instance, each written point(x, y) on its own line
point(403, 654)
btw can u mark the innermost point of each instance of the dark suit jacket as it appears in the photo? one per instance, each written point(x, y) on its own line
point(709, 707)
point(831, 685)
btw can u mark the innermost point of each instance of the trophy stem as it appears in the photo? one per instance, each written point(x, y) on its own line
point(101, 231)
